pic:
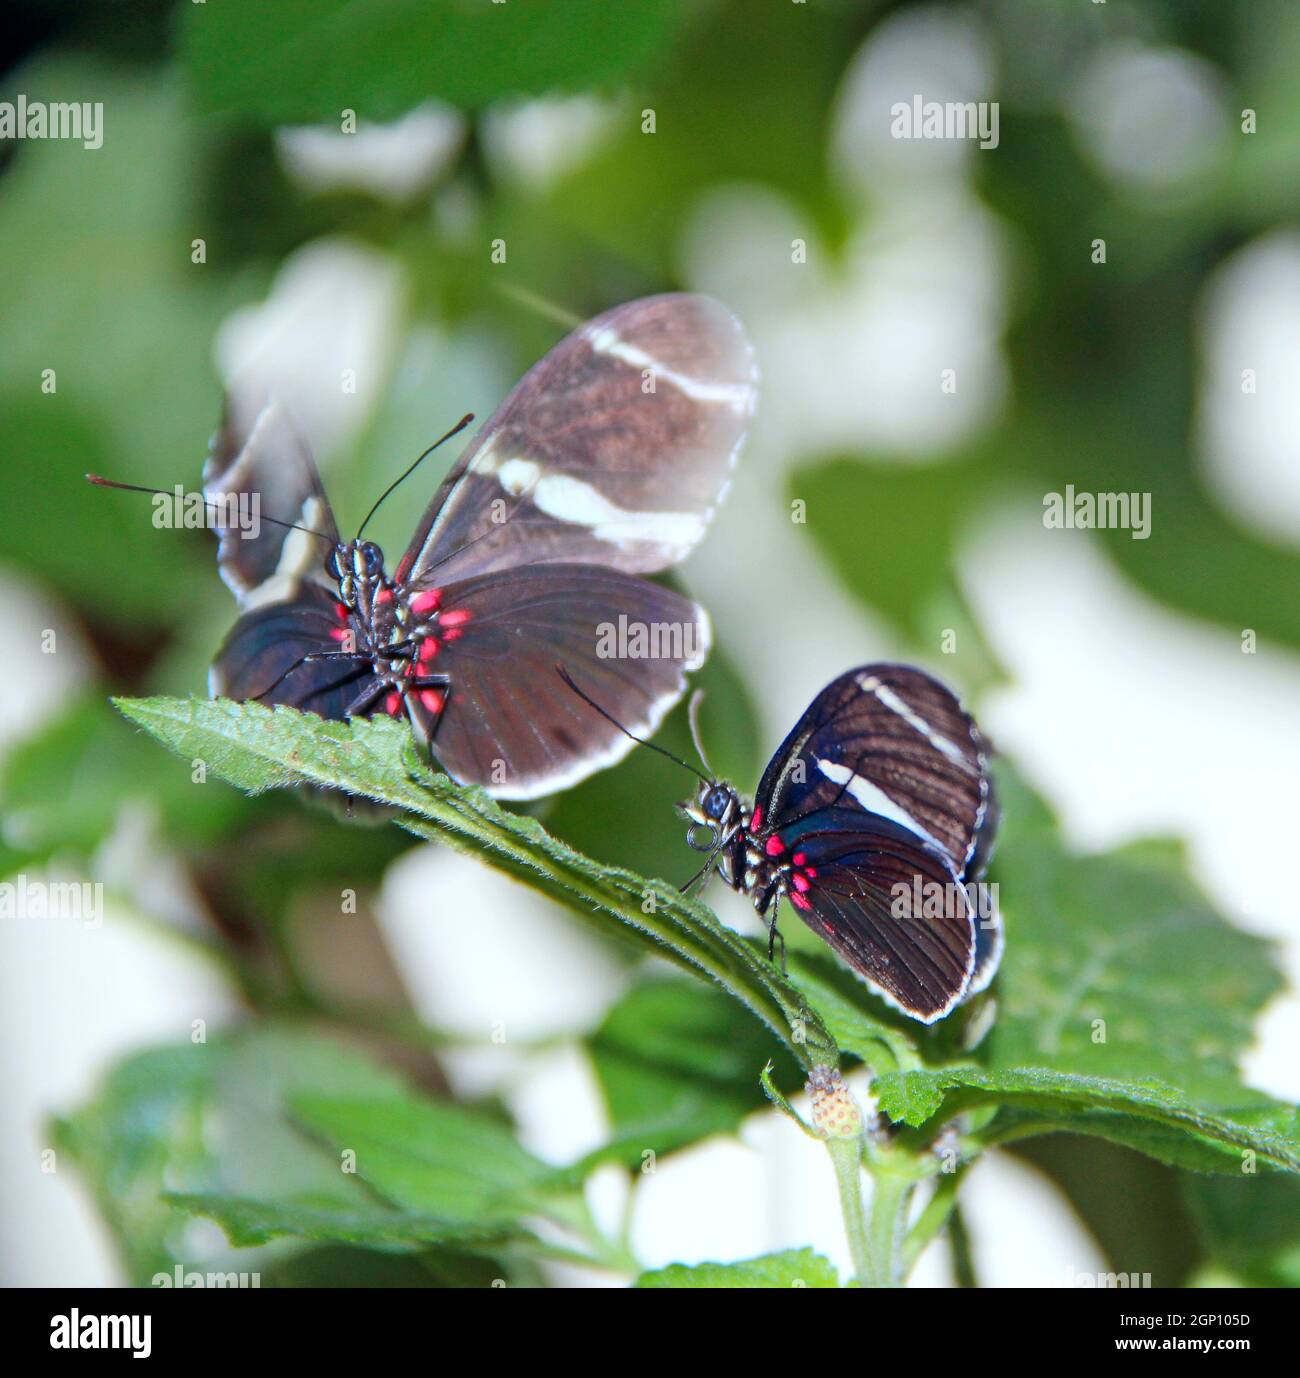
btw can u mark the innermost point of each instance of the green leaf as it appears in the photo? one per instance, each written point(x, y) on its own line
point(144, 1128)
point(792, 1268)
point(190, 1118)
point(677, 1062)
point(1116, 965)
point(881, 1040)
point(259, 748)
point(250, 1221)
point(1250, 1225)
point(305, 60)
point(429, 1157)
point(205, 1129)
point(43, 816)
point(1126, 1111)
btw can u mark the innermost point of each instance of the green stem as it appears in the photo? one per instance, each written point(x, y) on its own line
point(932, 1219)
point(574, 1214)
point(963, 1262)
point(846, 1157)
point(889, 1200)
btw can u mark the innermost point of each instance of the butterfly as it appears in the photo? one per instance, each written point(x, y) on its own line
point(875, 819)
point(605, 463)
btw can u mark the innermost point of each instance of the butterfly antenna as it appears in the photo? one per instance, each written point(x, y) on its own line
point(641, 741)
point(455, 430)
point(693, 717)
point(102, 482)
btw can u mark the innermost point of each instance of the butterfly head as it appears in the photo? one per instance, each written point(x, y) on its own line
point(716, 808)
point(357, 567)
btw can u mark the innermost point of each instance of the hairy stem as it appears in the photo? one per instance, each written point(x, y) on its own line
point(885, 1232)
point(846, 1158)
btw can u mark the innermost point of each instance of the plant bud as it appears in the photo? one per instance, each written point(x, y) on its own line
point(835, 1114)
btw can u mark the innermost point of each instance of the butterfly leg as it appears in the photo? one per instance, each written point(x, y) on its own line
point(442, 682)
point(774, 936)
point(772, 902)
point(309, 659)
point(365, 699)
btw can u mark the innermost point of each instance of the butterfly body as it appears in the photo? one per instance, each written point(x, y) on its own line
point(397, 632)
point(738, 847)
point(874, 820)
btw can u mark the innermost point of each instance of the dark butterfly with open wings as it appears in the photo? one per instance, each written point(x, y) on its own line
point(605, 463)
point(875, 818)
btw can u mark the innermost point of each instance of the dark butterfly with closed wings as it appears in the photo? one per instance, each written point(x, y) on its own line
point(874, 819)
point(604, 464)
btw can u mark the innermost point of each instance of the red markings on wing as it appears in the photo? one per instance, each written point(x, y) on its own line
point(385, 595)
point(456, 617)
point(774, 846)
point(430, 647)
point(339, 633)
point(428, 601)
point(756, 820)
point(801, 878)
point(393, 703)
point(432, 700)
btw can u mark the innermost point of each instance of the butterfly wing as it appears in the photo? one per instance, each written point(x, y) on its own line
point(263, 658)
point(264, 465)
point(895, 911)
point(883, 788)
point(510, 723)
point(613, 450)
point(893, 741)
point(989, 939)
